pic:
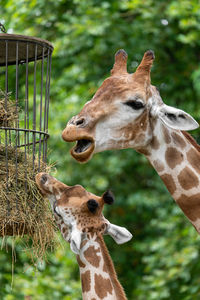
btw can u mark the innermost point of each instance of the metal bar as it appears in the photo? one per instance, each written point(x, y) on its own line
point(8, 136)
point(34, 106)
point(45, 107)
point(17, 124)
point(26, 94)
point(26, 119)
point(41, 98)
point(37, 142)
point(6, 143)
point(2, 28)
point(48, 99)
point(16, 83)
point(24, 129)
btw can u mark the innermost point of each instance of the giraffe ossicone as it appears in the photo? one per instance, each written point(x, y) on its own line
point(127, 111)
point(78, 214)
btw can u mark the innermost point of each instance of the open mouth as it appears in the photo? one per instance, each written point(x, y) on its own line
point(83, 149)
point(82, 145)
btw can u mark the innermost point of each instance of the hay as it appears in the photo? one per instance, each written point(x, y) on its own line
point(8, 110)
point(23, 211)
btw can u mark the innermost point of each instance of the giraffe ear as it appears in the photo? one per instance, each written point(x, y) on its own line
point(176, 118)
point(120, 234)
point(75, 240)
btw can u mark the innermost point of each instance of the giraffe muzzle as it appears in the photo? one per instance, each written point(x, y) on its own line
point(85, 144)
point(83, 149)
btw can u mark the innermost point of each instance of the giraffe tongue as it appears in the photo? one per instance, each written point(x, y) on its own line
point(82, 145)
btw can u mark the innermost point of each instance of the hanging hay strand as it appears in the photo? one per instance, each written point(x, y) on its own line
point(23, 211)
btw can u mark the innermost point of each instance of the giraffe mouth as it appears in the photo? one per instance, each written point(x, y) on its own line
point(83, 149)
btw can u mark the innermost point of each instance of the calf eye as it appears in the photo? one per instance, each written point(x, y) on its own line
point(134, 104)
point(92, 205)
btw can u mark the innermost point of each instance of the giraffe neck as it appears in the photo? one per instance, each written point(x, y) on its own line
point(177, 160)
point(98, 276)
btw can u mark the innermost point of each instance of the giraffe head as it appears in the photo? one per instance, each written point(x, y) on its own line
point(121, 113)
point(79, 211)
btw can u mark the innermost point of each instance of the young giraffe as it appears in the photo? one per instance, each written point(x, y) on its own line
point(78, 214)
point(128, 112)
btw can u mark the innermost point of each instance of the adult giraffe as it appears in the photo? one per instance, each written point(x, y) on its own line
point(78, 214)
point(128, 112)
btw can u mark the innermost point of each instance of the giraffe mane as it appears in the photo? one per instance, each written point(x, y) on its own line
point(191, 140)
point(111, 269)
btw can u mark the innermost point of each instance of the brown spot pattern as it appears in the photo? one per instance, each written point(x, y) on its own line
point(154, 143)
point(80, 263)
point(92, 257)
point(169, 182)
point(178, 140)
point(173, 157)
point(158, 165)
point(188, 179)
point(144, 120)
point(194, 159)
point(102, 286)
point(166, 134)
point(190, 206)
point(83, 243)
point(86, 281)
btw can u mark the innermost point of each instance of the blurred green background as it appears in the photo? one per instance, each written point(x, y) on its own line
point(163, 259)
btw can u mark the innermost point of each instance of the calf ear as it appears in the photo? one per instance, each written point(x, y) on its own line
point(120, 234)
point(176, 118)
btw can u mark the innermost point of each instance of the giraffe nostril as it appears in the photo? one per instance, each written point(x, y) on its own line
point(80, 122)
point(43, 178)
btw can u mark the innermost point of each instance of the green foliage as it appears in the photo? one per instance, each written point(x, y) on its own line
point(56, 278)
point(162, 261)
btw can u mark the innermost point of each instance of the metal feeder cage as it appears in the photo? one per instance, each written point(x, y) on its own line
point(25, 69)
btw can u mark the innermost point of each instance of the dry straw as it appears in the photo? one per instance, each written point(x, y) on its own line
point(8, 111)
point(23, 211)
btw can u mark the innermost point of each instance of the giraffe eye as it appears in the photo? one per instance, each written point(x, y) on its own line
point(135, 104)
point(92, 205)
